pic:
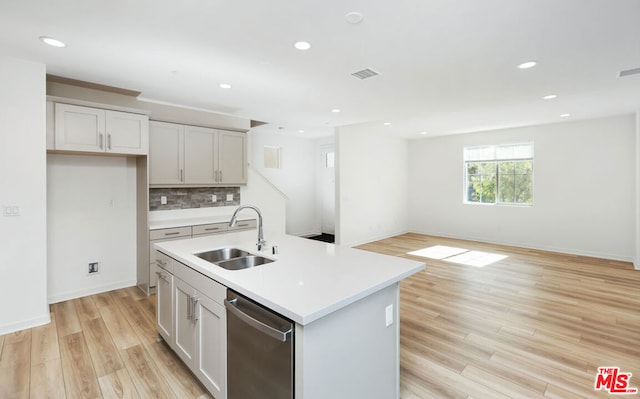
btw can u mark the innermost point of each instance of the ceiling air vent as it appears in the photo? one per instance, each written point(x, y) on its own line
point(365, 74)
point(629, 72)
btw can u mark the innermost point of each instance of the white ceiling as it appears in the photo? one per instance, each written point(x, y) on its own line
point(447, 66)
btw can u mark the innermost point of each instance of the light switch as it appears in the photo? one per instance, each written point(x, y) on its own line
point(163, 200)
point(389, 315)
point(229, 197)
point(11, 210)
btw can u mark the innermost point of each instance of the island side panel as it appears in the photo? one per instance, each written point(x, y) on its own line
point(351, 353)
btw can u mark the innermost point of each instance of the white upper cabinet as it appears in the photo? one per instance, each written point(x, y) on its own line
point(191, 155)
point(166, 153)
point(200, 163)
point(127, 133)
point(232, 157)
point(87, 129)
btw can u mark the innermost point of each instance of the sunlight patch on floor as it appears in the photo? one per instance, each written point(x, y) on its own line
point(476, 258)
point(438, 252)
point(460, 256)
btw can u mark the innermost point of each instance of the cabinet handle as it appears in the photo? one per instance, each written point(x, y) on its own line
point(172, 234)
point(243, 225)
point(194, 311)
point(163, 276)
point(100, 140)
point(109, 141)
point(212, 228)
point(189, 307)
point(181, 175)
point(220, 175)
point(215, 175)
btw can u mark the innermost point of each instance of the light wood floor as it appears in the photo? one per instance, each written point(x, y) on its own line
point(100, 346)
point(533, 325)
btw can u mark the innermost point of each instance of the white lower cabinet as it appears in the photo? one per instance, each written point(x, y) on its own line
point(164, 298)
point(197, 326)
point(165, 306)
point(185, 297)
point(211, 336)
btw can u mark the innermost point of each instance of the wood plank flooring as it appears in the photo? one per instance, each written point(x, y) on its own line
point(533, 325)
point(100, 346)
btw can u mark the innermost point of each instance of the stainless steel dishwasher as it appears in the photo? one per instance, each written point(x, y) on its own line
point(259, 351)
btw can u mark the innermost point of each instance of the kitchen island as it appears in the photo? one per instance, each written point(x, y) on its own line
point(343, 302)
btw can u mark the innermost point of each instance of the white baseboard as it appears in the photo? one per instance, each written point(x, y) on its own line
point(65, 296)
point(374, 238)
point(569, 251)
point(24, 324)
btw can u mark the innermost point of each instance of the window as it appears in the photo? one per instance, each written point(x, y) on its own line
point(499, 174)
point(272, 157)
point(329, 159)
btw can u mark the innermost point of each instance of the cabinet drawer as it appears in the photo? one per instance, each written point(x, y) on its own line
point(209, 287)
point(210, 228)
point(245, 224)
point(176, 232)
point(163, 261)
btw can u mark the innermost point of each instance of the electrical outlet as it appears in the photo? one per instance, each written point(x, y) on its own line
point(93, 267)
point(229, 197)
point(214, 198)
point(163, 200)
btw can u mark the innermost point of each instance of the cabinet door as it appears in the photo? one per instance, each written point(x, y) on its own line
point(164, 313)
point(127, 133)
point(199, 159)
point(232, 157)
point(211, 363)
point(166, 153)
point(185, 327)
point(79, 128)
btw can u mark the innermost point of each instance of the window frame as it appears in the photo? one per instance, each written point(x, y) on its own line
point(497, 160)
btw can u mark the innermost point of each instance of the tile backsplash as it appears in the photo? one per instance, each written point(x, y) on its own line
point(186, 198)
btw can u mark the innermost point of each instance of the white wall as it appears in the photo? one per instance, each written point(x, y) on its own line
point(23, 241)
point(584, 189)
point(637, 241)
point(271, 202)
point(296, 177)
point(371, 185)
point(91, 216)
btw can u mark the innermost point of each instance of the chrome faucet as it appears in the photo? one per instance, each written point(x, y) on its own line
point(261, 242)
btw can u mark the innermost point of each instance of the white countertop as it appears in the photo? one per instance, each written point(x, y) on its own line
point(308, 280)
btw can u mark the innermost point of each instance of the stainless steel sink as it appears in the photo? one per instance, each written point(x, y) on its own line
point(222, 254)
point(232, 258)
point(244, 262)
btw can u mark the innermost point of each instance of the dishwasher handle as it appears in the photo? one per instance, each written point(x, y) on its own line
point(282, 336)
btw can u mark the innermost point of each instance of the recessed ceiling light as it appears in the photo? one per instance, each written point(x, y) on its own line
point(52, 42)
point(302, 45)
point(550, 97)
point(527, 65)
point(335, 110)
point(565, 115)
point(224, 85)
point(353, 17)
point(387, 123)
point(300, 131)
point(424, 133)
